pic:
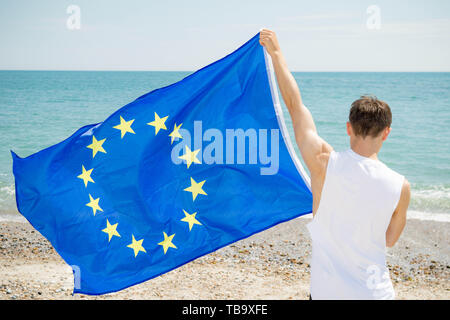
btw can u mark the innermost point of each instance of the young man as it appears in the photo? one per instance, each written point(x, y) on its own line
point(359, 204)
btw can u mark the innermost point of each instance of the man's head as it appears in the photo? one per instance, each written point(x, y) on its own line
point(370, 120)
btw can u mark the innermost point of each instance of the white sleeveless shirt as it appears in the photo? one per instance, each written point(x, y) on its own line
point(348, 232)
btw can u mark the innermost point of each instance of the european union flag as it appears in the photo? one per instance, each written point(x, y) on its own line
point(176, 174)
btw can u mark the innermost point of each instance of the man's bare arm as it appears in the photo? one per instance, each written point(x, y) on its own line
point(312, 147)
point(398, 220)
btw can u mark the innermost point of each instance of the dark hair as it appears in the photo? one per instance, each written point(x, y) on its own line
point(369, 116)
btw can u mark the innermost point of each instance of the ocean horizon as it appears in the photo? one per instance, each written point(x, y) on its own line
point(41, 108)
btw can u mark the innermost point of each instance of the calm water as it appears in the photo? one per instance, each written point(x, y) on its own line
point(40, 108)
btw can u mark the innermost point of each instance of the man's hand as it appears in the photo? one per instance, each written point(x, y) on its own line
point(268, 39)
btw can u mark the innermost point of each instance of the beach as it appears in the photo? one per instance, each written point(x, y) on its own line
point(273, 264)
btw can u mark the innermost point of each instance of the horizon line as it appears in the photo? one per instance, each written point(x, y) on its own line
point(298, 71)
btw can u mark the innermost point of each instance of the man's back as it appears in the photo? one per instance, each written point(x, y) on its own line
point(349, 229)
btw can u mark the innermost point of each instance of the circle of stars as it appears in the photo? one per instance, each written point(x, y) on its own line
point(195, 188)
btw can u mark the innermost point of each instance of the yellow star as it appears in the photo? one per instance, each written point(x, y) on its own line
point(196, 188)
point(136, 246)
point(175, 133)
point(93, 203)
point(96, 146)
point(167, 242)
point(190, 218)
point(124, 127)
point(111, 230)
point(86, 176)
point(190, 156)
point(158, 123)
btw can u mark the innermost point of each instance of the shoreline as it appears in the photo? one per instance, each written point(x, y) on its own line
point(411, 215)
point(273, 264)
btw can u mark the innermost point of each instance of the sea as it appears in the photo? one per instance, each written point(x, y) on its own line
point(41, 108)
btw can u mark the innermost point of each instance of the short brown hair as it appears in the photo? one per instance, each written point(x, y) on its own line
point(369, 116)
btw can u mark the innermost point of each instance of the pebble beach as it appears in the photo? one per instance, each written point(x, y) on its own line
point(273, 264)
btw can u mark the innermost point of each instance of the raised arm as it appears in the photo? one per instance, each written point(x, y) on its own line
point(314, 150)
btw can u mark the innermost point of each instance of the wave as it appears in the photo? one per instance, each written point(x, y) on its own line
point(12, 217)
point(428, 216)
point(430, 198)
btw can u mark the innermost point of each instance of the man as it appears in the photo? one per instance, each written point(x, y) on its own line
point(359, 204)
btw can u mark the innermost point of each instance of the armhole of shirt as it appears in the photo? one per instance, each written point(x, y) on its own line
point(399, 191)
point(330, 163)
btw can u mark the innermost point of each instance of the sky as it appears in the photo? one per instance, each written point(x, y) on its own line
point(323, 35)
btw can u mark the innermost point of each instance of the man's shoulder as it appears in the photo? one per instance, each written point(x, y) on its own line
point(392, 172)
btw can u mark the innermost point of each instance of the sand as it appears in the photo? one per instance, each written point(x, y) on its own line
point(273, 264)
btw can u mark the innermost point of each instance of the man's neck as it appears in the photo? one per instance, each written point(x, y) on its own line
point(365, 149)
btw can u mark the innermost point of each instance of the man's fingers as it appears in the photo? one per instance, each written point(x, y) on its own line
point(265, 36)
point(266, 32)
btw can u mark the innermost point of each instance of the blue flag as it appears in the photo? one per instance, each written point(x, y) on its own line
point(176, 174)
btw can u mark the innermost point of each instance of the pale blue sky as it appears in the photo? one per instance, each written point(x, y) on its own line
point(324, 35)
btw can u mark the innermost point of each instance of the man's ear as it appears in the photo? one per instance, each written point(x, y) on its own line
point(386, 132)
point(349, 129)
